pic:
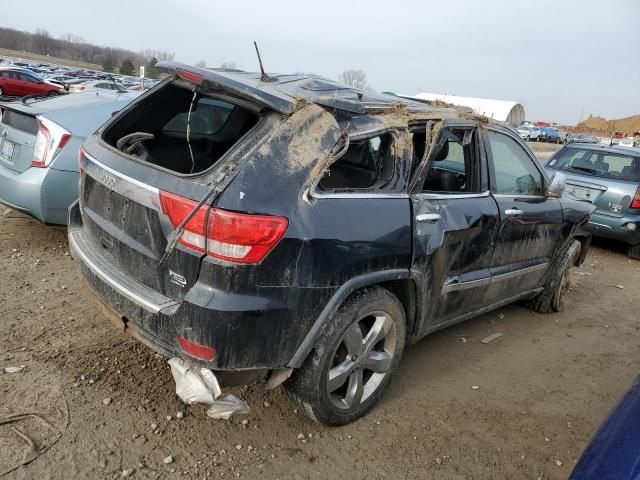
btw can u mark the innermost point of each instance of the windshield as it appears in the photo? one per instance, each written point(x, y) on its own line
point(524, 129)
point(599, 163)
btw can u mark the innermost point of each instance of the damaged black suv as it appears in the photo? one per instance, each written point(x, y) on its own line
point(295, 230)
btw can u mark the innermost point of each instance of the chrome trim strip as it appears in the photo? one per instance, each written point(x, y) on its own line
point(150, 306)
point(585, 184)
point(455, 286)
point(515, 195)
point(601, 225)
point(126, 186)
point(315, 194)
point(445, 196)
point(516, 273)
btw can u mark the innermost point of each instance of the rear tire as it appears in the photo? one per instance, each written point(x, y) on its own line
point(359, 350)
point(634, 252)
point(551, 299)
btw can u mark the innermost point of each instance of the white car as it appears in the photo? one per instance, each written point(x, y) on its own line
point(94, 85)
point(529, 133)
point(626, 142)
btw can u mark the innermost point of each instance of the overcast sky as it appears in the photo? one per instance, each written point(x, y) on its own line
point(557, 57)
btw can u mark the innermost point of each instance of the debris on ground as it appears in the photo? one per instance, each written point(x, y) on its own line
point(475, 387)
point(106, 401)
point(491, 337)
point(620, 286)
point(14, 369)
point(168, 460)
point(200, 385)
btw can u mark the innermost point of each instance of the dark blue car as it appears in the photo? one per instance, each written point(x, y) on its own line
point(614, 451)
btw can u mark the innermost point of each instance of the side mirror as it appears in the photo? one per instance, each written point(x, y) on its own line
point(557, 186)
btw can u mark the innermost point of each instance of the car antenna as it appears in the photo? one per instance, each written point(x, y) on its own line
point(264, 77)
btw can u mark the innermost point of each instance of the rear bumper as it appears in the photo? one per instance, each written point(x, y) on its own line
point(43, 193)
point(615, 227)
point(251, 333)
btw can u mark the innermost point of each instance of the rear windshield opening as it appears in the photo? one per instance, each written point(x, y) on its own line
point(367, 164)
point(599, 163)
point(155, 131)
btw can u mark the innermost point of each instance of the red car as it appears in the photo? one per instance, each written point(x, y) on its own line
point(20, 83)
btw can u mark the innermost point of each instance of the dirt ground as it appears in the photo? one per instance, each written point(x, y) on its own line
point(91, 403)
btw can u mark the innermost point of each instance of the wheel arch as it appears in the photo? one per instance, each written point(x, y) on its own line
point(585, 242)
point(397, 281)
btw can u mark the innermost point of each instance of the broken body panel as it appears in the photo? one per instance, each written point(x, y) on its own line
point(444, 255)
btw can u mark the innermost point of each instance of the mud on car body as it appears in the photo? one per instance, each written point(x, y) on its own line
point(298, 230)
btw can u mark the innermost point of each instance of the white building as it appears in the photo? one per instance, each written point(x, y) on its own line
point(502, 110)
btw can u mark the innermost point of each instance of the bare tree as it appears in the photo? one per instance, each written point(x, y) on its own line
point(355, 78)
point(201, 64)
point(72, 38)
point(228, 65)
point(42, 41)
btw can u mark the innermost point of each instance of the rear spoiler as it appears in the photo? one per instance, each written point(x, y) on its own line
point(245, 86)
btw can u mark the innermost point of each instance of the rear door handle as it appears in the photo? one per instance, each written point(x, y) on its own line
point(428, 217)
point(513, 212)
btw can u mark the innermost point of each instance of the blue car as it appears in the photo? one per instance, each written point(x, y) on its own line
point(609, 178)
point(39, 143)
point(614, 451)
point(551, 135)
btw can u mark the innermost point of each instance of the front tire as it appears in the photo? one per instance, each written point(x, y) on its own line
point(552, 298)
point(359, 350)
point(634, 252)
point(1, 92)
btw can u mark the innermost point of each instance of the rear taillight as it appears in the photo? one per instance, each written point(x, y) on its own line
point(240, 237)
point(177, 208)
point(635, 203)
point(232, 236)
point(51, 138)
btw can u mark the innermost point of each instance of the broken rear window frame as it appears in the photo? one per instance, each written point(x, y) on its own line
point(262, 114)
point(316, 192)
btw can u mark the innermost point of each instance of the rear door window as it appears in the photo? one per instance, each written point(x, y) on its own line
point(367, 164)
point(455, 168)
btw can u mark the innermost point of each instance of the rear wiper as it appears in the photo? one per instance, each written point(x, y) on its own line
point(178, 231)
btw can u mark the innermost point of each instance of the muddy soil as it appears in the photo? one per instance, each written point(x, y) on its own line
point(99, 403)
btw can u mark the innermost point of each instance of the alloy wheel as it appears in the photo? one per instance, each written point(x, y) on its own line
point(362, 360)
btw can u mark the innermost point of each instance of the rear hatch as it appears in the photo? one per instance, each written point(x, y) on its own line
point(20, 124)
point(142, 177)
point(18, 131)
point(607, 178)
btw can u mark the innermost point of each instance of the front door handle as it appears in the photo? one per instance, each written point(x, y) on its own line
point(428, 217)
point(513, 212)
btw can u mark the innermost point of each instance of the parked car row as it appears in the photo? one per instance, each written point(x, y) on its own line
point(21, 78)
point(536, 133)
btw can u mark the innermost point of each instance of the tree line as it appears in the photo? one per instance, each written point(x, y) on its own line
point(74, 47)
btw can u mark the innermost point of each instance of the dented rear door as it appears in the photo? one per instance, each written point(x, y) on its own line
point(453, 241)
